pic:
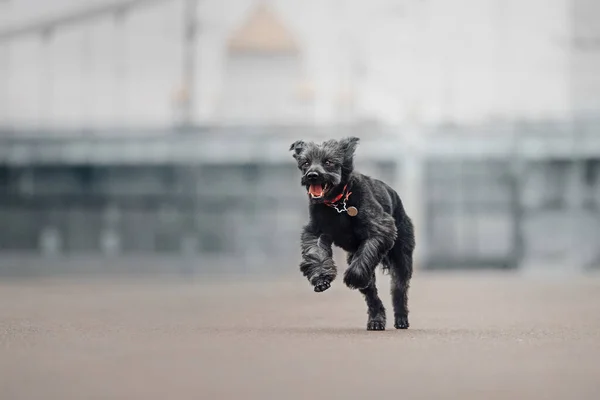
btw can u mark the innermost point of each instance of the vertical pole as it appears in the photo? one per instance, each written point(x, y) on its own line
point(4, 90)
point(47, 82)
point(5, 76)
point(86, 65)
point(120, 70)
point(189, 61)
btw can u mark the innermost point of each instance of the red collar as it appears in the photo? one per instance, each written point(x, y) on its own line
point(337, 198)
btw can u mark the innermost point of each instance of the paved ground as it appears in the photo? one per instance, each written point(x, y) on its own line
point(481, 336)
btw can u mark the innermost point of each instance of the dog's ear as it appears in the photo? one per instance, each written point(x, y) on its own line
point(348, 146)
point(297, 147)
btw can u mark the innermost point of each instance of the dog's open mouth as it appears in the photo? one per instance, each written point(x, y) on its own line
point(317, 191)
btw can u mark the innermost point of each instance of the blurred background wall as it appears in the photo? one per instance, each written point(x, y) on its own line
point(153, 134)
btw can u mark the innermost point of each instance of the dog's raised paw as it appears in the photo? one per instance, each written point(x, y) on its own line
point(401, 322)
point(376, 325)
point(322, 285)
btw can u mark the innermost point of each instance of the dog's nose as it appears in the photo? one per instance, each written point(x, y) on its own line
point(312, 175)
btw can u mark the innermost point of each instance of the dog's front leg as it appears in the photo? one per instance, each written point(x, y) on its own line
point(382, 235)
point(317, 262)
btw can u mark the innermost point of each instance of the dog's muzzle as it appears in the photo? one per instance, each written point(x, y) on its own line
point(316, 187)
point(312, 176)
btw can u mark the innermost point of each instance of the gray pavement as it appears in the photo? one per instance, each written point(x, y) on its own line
point(472, 336)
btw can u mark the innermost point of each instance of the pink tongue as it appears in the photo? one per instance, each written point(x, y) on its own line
point(316, 190)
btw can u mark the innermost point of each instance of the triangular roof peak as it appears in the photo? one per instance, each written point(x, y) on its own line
point(262, 32)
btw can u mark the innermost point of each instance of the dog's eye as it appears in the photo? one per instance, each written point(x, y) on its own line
point(305, 164)
point(327, 162)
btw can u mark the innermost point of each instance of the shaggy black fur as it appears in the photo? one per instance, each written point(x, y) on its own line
point(381, 232)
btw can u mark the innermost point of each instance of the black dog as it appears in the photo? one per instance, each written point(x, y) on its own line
point(363, 216)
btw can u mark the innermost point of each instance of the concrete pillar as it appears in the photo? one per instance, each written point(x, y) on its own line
point(411, 175)
point(110, 235)
point(575, 198)
point(51, 241)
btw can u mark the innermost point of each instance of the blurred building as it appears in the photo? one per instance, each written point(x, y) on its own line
point(485, 115)
point(333, 61)
point(585, 58)
point(264, 80)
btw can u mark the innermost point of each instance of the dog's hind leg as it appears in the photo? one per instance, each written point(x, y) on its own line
point(375, 308)
point(400, 266)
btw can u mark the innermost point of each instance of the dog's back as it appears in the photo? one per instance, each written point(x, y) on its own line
point(384, 194)
point(392, 204)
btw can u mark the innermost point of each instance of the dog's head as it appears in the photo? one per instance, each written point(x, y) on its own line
point(324, 166)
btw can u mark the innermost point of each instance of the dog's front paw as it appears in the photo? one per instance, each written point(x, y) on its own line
point(322, 285)
point(356, 278)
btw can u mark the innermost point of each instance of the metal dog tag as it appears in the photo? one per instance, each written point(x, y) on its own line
point(352, 211)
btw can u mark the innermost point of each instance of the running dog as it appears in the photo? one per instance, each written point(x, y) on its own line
point(363, 216)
